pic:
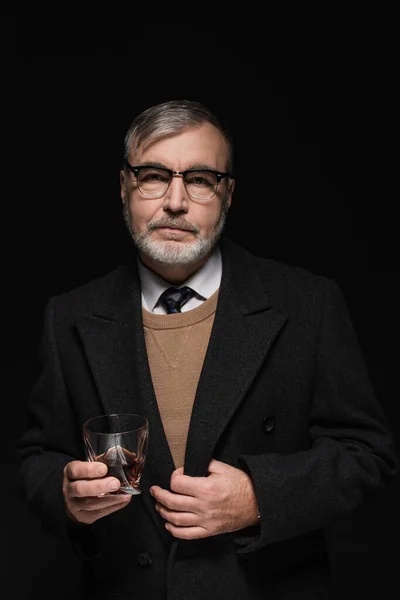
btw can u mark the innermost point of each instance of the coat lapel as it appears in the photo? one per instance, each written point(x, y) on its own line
point(114, 343)
point(244, 329)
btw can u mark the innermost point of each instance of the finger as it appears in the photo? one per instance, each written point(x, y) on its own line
point(190, 486)
point(173, 501)
point(78, 469)
point(178, 471)
point(93, 487)
point(187, 533)
point(86, 516)
point(178, 518)
point(216, 466)
point(91, 503)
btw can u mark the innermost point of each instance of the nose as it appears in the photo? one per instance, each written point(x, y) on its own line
point(176, 198)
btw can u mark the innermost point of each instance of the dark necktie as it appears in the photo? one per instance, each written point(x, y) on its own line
point(174, 298)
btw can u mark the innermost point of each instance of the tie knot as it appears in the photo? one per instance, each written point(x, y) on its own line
point(174, 298)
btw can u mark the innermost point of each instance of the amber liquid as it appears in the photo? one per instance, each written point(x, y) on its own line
point(125, 466)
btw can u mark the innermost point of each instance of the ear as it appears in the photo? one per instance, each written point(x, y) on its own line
point(231, 187)
point(122, 185)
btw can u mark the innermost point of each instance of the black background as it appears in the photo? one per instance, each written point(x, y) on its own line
point(312, 127)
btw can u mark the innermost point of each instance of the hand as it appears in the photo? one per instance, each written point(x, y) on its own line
point(83, 486)
point(200, 507)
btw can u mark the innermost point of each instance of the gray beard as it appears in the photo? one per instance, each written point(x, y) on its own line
point(171, 252)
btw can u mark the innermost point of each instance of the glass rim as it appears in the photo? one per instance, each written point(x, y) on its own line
point(85, 426)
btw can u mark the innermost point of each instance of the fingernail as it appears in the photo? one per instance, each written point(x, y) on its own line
point(114, 485)
point(151, 491)
point(101, 469)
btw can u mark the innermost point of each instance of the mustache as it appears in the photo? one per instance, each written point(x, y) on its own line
point(178, 223)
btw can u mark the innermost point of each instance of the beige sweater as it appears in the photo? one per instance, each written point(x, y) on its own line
point(176, 346)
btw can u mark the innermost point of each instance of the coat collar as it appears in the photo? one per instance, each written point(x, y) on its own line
point(240, 280)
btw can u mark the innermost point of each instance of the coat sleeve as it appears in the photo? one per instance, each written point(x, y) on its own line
point(50, 441)
point(352, 452)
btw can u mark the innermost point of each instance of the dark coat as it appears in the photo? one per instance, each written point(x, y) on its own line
point(283, 394)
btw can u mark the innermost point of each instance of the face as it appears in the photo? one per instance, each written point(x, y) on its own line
point(175, 230)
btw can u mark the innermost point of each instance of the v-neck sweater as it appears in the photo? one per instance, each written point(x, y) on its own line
point(176, 347)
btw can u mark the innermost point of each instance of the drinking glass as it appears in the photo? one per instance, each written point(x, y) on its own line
point(120, 441)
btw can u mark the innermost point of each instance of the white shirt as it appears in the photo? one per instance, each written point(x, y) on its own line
point(204, 282)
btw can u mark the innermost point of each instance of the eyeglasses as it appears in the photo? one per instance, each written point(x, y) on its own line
point(200, 184)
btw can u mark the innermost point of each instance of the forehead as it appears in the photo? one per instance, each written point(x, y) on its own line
point(195, 146)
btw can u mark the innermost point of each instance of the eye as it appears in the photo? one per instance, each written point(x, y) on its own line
point(201, 179)
point(153, 176)
point(198, 180)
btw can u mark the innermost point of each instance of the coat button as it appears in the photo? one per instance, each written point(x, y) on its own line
point(268, 424)
point(144, 559)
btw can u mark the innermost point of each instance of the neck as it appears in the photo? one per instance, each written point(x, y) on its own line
point(175, 274)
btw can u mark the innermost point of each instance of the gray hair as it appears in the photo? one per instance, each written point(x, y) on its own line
point(169, 118)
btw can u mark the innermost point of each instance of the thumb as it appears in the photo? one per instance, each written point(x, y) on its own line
point(216, 466)
point(178, 471)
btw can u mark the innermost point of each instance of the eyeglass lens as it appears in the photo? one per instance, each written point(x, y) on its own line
point(199, 184)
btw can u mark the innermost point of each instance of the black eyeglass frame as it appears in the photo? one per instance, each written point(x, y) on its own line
point(136, 169)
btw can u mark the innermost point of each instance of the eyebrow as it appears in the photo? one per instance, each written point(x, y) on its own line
point(196, 166)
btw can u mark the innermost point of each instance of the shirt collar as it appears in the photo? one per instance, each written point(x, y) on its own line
point(205, 281)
